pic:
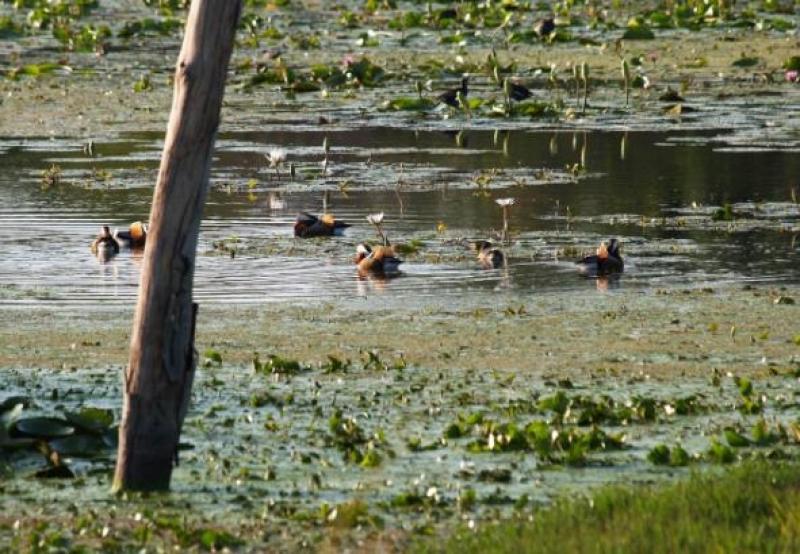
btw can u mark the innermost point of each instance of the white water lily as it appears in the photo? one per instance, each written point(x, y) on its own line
point(276, 157)
point(505, 202)
point(375, 219)
point(276, 202)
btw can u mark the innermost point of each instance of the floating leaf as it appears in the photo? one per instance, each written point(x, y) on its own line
point(16, 444)
point(745, 61)
point(211, 357)
point(44, 427)
point(679, 457)
point(721, 453)
point(659, 455)
point(82, 446)
point(92, 420)
point(638, 30)
point(11, 402)
point(407, 103)
point(724, 213)
point(111, 437)
point(735, 439)
point(55, 472)
point(792, 64)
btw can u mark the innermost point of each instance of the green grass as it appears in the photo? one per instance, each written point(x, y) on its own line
point(753, 508)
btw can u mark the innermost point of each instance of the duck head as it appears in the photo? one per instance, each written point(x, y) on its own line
point(602, 251)
point(482, 245)
point(362, 251)
point(613, 248)
point(464, 84)
point(138, 231)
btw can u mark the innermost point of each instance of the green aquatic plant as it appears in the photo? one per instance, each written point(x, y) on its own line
point(720, 453)
point(626, 82)
point(52, 177)
point(348, 515)
point(9, 29)
point(745, 61)
point(149, 26)
point(335, 365)
point(584, 75)
point(637, 29)
point(212, 357)
point(276, 364)
point(406, 103)
point(87, 38)
point(725, 213)
point(792, 64)
point(734, 438)
point(409, 247)
point(749, 401)
point(143, 84)
point(705, 512)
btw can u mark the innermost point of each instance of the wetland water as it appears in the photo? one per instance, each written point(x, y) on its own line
point(450, 393)
point(656, 191)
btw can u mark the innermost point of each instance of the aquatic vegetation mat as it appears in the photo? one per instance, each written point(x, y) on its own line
point(375, 441)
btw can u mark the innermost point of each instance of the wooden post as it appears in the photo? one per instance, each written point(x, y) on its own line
point(162, 359)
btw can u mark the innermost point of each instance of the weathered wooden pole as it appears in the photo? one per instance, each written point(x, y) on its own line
point(162, 360)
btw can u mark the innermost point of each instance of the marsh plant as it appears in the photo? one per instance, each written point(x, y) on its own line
point(585, 81)
point(505, 204)
point(52, 177)
point(276, 158)
point(626, 80)
point(377, 221)
point(325, 150)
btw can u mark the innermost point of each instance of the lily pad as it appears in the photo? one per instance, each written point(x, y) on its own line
point(92, 420)
point(638, 32)
point(792, 64)
point(8, 444)
point(11, 402)
point(409, 104)
point(55, 472)
point(745, 61)
point(111, 437)
point(82, 446)
point(44, 427)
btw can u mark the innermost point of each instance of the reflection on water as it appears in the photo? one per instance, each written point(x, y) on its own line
point(437, 188)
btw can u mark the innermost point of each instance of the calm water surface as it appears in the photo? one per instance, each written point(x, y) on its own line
point(629, 178)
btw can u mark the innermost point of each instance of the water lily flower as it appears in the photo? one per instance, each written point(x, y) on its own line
point(375, 219)
point(505, 202)
point(276, 157)
point(792, 76)
point(276, 202)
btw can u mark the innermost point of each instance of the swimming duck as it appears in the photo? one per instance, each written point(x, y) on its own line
point(134, 237)
point(380, 260)
point(544, 27)
point(517, 92)
point(488, 256)
point(105, 246)
point(450, 97)
point(309, 225)
point(606, 260)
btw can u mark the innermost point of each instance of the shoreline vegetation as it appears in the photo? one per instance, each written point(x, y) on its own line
point(751, 508)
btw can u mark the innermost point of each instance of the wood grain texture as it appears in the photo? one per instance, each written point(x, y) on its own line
point(162, 358)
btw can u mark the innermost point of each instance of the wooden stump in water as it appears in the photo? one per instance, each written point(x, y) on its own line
point(162, 359)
